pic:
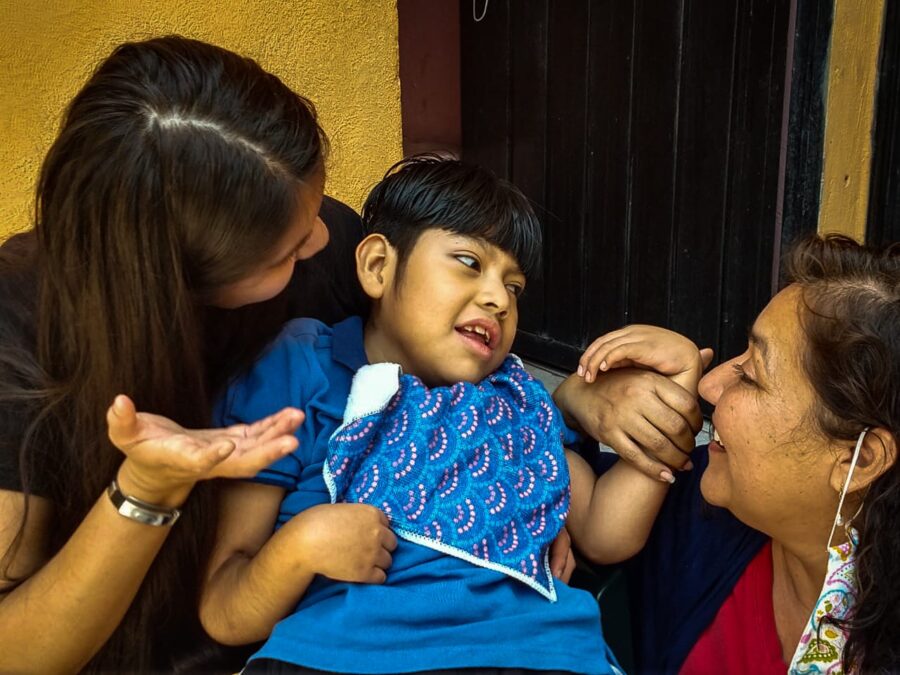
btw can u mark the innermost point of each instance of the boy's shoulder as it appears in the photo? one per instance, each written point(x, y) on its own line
point(310, 339)
point(297, 367)
point(304, 330)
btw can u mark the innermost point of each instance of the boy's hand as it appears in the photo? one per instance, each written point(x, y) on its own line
point(562, 561)
point(344, 542)
point(662, 350)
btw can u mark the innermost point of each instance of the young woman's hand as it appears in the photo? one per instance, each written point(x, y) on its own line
point(344, 542)
point(165, 458)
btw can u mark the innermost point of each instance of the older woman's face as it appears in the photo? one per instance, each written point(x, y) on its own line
point(768, 465)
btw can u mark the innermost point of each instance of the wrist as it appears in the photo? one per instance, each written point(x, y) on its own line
point(135, 482)
point(292, 552)
point(562, 400)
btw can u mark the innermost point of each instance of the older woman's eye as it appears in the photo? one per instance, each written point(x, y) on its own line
point(469, 261)
point(742, 374)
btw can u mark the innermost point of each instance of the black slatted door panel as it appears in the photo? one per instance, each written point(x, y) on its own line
point(649, 137)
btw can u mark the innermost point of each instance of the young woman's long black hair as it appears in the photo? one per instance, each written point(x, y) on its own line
point(177, 169)
point(851, 321)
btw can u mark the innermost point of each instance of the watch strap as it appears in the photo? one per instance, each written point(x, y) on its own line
point(139, 510)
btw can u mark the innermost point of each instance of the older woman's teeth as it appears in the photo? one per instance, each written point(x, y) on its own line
point(716, 437)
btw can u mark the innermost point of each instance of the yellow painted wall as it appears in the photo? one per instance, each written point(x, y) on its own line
point(342, 54)
point(850, 106)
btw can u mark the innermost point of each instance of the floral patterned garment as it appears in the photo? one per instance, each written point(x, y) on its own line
point(477, 471)
point(822, 643)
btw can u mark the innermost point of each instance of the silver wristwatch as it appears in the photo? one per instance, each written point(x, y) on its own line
point(141, 511)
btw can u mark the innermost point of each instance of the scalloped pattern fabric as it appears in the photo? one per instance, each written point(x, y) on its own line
point(477, 471)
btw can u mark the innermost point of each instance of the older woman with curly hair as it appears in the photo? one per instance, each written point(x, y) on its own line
point(778, 551)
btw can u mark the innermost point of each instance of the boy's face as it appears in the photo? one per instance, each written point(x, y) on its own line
point(452, 314)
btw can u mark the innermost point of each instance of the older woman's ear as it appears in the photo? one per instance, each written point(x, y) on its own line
point(877, 456)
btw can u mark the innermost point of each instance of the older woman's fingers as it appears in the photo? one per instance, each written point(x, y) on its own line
point(681, 402)
point(663, 431)
point(628, 450)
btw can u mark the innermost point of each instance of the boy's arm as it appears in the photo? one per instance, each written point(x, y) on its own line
point(255, 578)
point(611, 516)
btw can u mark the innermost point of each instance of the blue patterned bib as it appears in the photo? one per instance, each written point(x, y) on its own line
point(476, 471)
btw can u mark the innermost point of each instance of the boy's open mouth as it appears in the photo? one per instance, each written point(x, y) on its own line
point(481, 332)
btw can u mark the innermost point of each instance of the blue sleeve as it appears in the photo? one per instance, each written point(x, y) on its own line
point(287, 374)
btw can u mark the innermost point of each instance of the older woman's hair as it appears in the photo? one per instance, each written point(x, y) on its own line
point(852, 324)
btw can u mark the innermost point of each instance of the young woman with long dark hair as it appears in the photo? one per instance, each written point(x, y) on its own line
point(185, 184)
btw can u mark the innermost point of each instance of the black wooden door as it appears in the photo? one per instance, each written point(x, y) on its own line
point(651, 136)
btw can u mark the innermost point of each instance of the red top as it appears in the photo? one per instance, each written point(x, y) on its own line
point(743, 634)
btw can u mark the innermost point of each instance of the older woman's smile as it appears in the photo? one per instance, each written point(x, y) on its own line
point(716, 444)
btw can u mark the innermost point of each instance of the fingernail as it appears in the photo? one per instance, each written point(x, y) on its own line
point(603, 365)
point(667, 476)
point(580, 371)
point(688, 465)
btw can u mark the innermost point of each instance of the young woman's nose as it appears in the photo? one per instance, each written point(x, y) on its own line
point(717, 380)
point(318, 240)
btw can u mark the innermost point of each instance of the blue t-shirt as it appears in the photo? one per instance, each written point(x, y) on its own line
point(435, 611)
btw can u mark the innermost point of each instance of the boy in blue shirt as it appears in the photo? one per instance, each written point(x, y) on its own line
point(447, 256)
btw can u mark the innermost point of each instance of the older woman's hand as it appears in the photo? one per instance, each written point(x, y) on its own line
point(164, 459)
point(644, 416)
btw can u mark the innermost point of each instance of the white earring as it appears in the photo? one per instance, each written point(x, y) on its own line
point(838, 518)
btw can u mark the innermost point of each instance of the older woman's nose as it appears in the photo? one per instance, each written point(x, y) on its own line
point(715, 381)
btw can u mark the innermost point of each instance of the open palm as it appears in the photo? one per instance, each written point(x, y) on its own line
point(181, 455)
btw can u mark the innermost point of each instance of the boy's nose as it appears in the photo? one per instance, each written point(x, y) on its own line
point(495, 298)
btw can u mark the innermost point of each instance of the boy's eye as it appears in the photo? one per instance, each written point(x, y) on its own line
point(469, 261)
point(515, 289)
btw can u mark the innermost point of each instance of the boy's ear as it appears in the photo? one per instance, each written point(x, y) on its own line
point(376, 261)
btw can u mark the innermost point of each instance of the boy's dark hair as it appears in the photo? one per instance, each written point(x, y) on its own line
point(428, 191)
